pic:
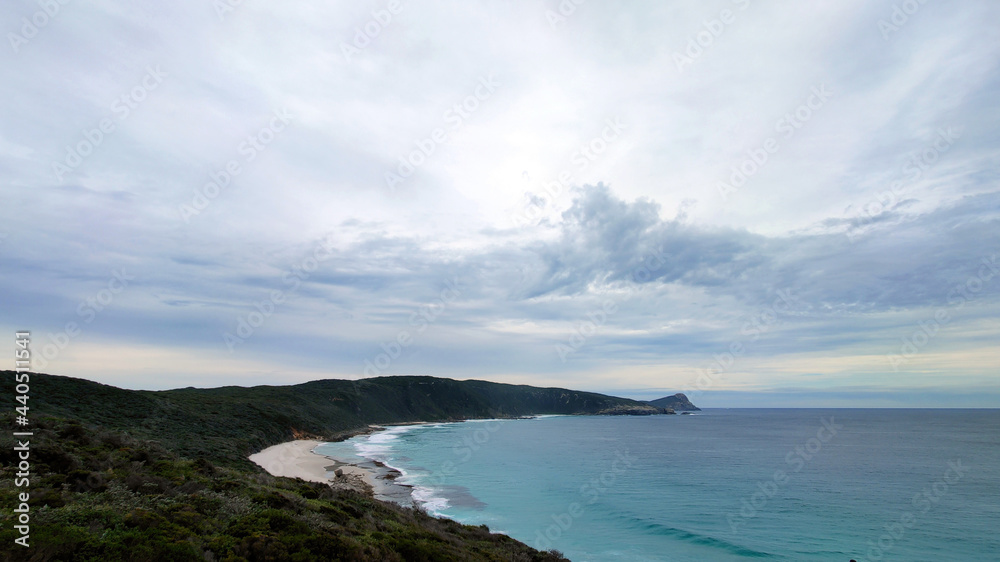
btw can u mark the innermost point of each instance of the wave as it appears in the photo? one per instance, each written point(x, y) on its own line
point(378, 446)
point(389, 434)
point(382, 448)
point(655, 528)
point(427, 499)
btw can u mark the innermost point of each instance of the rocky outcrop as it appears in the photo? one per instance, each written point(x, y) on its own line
point(634, 411)
point(678, 402)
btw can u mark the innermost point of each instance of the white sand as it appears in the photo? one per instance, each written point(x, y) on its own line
point(296, 459)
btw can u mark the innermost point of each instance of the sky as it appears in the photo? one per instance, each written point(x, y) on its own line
point(756, 203)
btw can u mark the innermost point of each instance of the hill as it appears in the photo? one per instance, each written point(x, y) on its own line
point(100, 495)
point(121, 474)
point(227, 424)
point(678, 402)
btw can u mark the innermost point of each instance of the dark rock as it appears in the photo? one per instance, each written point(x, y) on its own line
point(678, 402)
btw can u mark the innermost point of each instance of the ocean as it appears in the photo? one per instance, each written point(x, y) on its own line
point(717, 485)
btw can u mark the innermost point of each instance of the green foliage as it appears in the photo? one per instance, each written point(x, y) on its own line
point(225, 425)
point(101, 495)
point(137, 475)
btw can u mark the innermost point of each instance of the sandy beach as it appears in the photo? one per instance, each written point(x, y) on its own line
point(296, 459)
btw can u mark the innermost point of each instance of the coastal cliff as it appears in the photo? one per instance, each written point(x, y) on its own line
point(678, 402)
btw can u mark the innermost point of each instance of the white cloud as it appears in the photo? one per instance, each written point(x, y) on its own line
point(557, 87)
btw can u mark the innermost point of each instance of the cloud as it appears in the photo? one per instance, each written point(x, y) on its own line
point(863, 213)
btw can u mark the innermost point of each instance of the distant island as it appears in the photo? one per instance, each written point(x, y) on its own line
point(164, 475)
point(678, 402)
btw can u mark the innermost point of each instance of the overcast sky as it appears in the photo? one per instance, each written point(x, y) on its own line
point(758, 203)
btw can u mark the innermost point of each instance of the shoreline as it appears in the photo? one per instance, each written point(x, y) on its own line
point(298, 459)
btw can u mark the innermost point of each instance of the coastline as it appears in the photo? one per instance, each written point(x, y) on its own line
point(298, 459)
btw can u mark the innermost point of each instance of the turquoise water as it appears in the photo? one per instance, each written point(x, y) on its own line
point(717, 485)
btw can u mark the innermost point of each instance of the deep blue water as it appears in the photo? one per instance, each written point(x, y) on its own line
point(738, 484)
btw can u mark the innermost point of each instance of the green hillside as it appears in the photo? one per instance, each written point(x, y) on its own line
point(227, 424)
point(99, 495)
point(141, 475)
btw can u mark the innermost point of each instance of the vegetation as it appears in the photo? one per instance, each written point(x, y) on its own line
point(677, 402)
point(101, 495)
point(225, 425)
point(140, 475)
